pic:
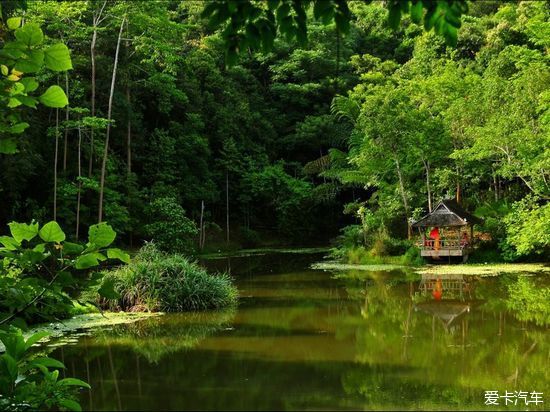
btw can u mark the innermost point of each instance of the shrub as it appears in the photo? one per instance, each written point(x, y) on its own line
point(157, 281)
point(413, 257)
point(170, 229)
point(249, 237)
point(527, 229)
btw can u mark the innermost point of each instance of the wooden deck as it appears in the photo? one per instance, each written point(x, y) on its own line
point(446, 248)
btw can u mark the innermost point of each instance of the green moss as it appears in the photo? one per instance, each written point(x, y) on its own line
point(348, 266)
point(262, 251)
point(56, 330)
point(486, 270)
point(476, 269)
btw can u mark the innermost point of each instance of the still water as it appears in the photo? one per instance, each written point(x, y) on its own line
point(309, 339)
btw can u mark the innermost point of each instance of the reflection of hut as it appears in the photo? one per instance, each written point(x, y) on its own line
point(446, 311)
point(453, 222)
point(452, 285)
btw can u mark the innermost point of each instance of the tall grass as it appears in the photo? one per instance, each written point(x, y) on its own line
point(156, 281)
point(362, 256)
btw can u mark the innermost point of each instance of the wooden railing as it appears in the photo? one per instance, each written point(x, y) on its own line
point(429, 244)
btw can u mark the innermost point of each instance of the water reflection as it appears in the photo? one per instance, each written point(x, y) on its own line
point(304, 339)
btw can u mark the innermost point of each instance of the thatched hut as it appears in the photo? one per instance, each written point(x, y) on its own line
point(452, 230)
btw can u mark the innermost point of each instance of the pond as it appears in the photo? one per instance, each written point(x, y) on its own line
point(310, 339)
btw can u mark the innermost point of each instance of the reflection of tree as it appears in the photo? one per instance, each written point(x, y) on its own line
point(529, 300)
point(112, 352)
point(447, 365)
point(157, 337)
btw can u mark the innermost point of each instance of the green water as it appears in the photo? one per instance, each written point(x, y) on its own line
point(306, 339)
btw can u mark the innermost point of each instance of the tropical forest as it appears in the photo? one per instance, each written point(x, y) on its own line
point(274, 205)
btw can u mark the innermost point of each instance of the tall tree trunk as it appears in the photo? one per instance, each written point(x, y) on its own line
point(129, 111)
point(458, 188)
point(92, 56)
point(96, 21)
point(495, 185)
point(55, 160)
point(79, 192)
point(201, 231)
point(227, 205)
point(403, 197)
point(128, 133)
point(428, 185)
point(107, 134)
point(66, 137)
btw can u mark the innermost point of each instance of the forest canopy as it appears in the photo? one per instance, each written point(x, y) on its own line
point(355, 114)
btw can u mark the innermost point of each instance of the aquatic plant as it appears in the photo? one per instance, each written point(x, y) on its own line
point(156, 281)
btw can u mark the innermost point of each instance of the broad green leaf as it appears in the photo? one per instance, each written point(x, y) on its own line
point(9, 243)
point(35, 338)
point(31, 61)
point(89, 260)
point(5, 70)
point(70, 405)
point(65, 278)
point(30, 35)
point(13, 50)
point(27, 101)
point(18, 128)
point(30, 84)
point(16, 89)
point(57, 58)
point(53, 376)
point(13, 102)
point(13, 23)
point(41, 247)
point(27, 66)
point(101, 235)
point(107, 290)
point(8, 146)
point(32, 257)
point(70, 248)
point(10, 366)
point(73, 382)
point(54, 97)
point(48, 362)
point(23, 231)
point(52, 232)
point(115, 253)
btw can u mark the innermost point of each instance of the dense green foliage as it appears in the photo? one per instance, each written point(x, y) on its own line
point(253, 25)
point(40, 274)
point(40, 270)
point(276, 145)
point(143, 124)
point(469, 123)
point(155, 281)
point(30, 381)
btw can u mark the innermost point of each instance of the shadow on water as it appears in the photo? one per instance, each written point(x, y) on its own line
point(308, 339)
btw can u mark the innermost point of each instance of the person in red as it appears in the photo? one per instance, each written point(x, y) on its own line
point(464, 241)
point(434, 234)
point(437, 291)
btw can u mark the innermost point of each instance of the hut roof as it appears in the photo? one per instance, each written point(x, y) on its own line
point(447, 213)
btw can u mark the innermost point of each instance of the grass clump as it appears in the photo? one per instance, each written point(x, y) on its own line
point(156, 281)
point(361, 256)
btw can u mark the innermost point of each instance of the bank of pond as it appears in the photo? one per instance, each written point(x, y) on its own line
point(300, 338)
